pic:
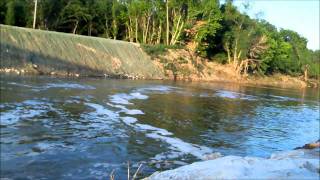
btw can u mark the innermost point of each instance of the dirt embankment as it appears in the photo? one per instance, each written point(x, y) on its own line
point(182, 65)
point(24, 50)
point(29, 51)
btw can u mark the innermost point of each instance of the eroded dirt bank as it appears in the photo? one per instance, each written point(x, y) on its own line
point(180, 64)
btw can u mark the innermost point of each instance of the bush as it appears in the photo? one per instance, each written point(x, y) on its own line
point(220, 58)
point(314, 70)
point(159, 49)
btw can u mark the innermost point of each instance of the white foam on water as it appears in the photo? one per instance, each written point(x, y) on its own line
point(72, 101)
point(179, 145)
point(167, 155)
point(101, 111)
point(158, 88)
point(146, 127)
point(19, 84)
point(121, 99)
point(105, 165)
point(124, 98)
point(133, 111)
point(25, 110)
point(101, 119)
point(283, 98)
point(129, 120)
point(138, 95)
point(234, 95)
point(55, 85)
point(126, 110)
point(68, 86)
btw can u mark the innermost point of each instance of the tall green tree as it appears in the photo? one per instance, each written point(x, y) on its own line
point(73, 14)
point(17, 13)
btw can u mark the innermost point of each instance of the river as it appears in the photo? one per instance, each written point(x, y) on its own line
point(60, 128)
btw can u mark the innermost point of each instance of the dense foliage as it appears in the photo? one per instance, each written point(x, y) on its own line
point(219, 32)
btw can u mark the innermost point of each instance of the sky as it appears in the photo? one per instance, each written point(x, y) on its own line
point(301, 16)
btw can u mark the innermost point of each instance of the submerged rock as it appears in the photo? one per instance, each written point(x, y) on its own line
point(295, 164)
point(310, 145)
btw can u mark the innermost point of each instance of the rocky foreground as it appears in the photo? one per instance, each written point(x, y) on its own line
point(295, 164)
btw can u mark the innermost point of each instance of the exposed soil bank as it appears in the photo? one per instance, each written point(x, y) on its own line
point(180, 64)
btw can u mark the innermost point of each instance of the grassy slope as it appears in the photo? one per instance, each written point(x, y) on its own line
point(61, 53)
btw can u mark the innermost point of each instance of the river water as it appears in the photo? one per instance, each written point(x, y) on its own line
point(54, 128)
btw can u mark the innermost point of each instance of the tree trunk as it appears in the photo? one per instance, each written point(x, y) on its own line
point(35, 13)
point(153, 31)
point(151, 40)
point(228, 52)
point(130, 30)
point(90, 28)
point(178, 34)
point(114, 24)
point(107, 28)
point(143, 28)
point(75, 27)
point(306, 74)
point(176, 30)
point(167, 8)
point(137, 30)
point(239, 55)
point(159, 32)
point(147, 29)
point(235, 60)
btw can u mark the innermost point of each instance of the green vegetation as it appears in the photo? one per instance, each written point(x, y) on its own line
point(159, 49)
point(218, 32)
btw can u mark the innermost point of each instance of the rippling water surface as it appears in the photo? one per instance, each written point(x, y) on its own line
point(86, 128)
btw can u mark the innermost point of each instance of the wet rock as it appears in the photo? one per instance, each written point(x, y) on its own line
point(180, 163)
point(310, 145)
point(37, 149)
point(212, 156)
point(296, 164)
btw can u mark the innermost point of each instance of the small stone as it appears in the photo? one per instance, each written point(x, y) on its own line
point(158, 166)
point(212, 156)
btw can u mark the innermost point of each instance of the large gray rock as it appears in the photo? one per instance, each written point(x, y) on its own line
point(296, 164)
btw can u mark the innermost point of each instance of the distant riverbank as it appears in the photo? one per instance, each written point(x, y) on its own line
point(28, 51)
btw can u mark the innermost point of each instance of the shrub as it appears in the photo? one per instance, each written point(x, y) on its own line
point(159, 49)
point(220, 58)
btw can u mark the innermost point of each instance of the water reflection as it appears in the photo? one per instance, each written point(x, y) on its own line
point(85, 128)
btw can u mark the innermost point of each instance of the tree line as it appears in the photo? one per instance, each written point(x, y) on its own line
point(218, 32)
